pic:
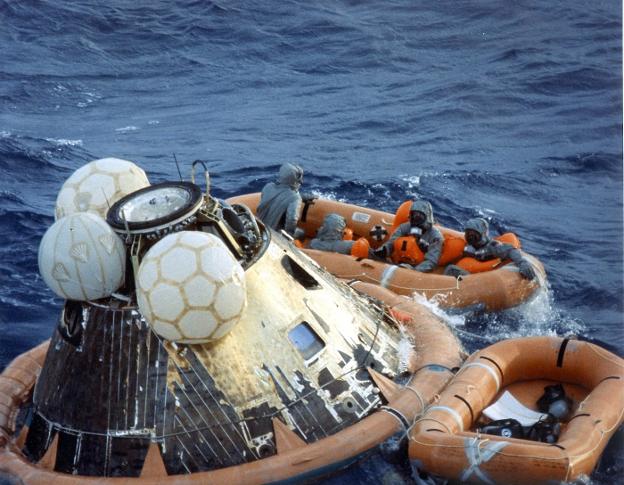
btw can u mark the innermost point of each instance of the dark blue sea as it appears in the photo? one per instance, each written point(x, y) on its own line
point(507, 110)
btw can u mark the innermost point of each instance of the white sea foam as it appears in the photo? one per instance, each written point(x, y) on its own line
point(126, 129)
point(539, 316)
point(65, 142)
point(404, 352)
point(413, 181)
point(433, 305)
point(331, 195)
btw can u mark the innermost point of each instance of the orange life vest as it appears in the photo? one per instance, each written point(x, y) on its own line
point(406, 250)
point(473, 265)
point(452, 248)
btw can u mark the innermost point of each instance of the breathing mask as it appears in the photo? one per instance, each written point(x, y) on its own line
point(415, 231)
point(472, 237)
point(299, 175)
point(417, 219)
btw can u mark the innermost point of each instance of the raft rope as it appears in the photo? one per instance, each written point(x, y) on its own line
point(398, 415)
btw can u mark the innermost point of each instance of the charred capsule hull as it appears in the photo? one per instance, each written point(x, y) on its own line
point(293, 357)
point(300, 374)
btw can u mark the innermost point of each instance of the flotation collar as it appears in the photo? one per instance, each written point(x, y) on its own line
point(407, 250)
point(473, 265)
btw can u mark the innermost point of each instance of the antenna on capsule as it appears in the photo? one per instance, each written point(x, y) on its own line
point(177, 166)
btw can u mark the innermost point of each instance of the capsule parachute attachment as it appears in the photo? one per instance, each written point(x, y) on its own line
point(97, 185)
point(81, 258)
point(190, 288)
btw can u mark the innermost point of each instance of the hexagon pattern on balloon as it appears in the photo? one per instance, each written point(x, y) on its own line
point(96, 186)
point(190, 289)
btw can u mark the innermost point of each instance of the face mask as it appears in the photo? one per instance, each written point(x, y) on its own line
point(417, 218)
point(472, 237)
point(415, 231)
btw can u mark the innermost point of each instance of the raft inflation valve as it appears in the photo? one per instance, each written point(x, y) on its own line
point(81, 258)
point(190, 288)
point(97, 184)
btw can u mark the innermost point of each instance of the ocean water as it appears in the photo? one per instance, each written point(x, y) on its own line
point(507, 110)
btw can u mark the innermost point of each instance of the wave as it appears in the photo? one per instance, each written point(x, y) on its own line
point(584, 164)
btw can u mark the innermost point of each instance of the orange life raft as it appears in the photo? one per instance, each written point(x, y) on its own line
point(443, 441)
point(493, 290)
point(436, 351)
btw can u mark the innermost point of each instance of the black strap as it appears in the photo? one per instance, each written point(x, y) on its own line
point(562, 350)
point(306, 206)
point(472, 417)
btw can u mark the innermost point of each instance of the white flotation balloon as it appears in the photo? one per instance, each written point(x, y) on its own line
point(190, 289)
point(81, 258)
point(97, 185)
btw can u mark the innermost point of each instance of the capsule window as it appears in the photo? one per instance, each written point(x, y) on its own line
point(300, 274)
point(307, 342)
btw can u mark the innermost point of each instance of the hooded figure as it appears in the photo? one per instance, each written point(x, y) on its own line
point(280, 203)
point(420, 226)
point(329, 236)
point(480, 246)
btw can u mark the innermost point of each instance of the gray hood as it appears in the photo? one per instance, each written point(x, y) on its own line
point(332, 228)
point(481, 226)
point(290, 175)
point(424, 207)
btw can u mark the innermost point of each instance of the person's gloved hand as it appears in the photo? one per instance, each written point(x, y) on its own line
point(526, 270)
point(299, 234)
point(455, 271)
point(380, 252)
point(406, 266)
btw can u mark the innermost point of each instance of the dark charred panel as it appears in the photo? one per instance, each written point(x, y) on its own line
point(40, 435)
point(114, 372)
point(334, 386)
point(300, 273)
point(258, 419)
point(112, 384)
point(67, 453)
point(202, 429)
point(345, 358)
point(127, 456)
point(365, 359)
point(93, 455)
point(309, 424)
point(359, 400)
point(319, 418)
